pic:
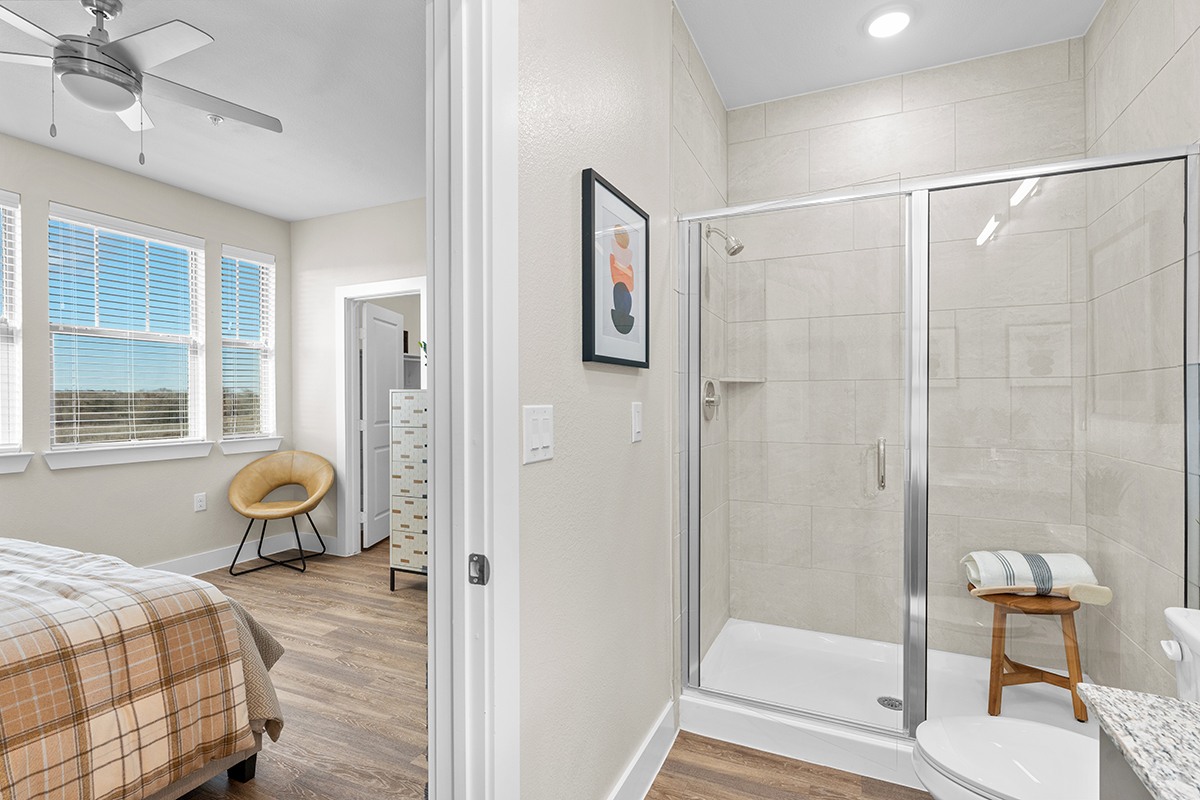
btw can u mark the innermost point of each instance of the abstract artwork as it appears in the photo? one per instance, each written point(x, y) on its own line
point(616, 276)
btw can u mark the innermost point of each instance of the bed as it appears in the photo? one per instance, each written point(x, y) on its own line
point(123, 683)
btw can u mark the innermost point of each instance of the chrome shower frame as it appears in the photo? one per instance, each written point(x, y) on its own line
point(915, 195)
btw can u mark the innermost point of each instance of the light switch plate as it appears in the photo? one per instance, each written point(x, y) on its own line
point(539, 434)
point(637, 422)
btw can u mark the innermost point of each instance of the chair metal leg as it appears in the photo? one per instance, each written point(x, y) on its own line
point(285, 562)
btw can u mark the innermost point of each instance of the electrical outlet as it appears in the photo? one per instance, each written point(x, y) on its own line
point(200, 502)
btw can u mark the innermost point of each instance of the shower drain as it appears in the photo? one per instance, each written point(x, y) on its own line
point(894, 703)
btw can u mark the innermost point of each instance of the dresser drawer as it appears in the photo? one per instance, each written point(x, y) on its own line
point(408, 409)
point(410, 479)
point(409, 445)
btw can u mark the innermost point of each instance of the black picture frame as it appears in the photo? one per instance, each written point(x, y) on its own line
point(616, 320)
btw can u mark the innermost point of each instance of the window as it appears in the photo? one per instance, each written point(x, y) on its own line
point(126, 332)
point(247, 343)
point(10, 323)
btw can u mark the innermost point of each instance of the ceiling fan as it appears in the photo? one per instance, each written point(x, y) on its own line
point(111, 75)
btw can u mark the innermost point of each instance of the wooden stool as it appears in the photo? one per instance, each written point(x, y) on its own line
point(1006, 672)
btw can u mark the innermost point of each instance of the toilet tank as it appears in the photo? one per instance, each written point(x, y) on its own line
point(1184, 650)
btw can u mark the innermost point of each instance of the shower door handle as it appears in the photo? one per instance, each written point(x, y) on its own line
point(881, 462)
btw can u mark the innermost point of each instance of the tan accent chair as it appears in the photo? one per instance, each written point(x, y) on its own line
point(259, 478)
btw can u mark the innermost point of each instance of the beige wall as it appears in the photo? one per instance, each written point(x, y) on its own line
point(75, 508)
point(698, 169)
point(374, 244)
point(1142, 61)
point(596, 643)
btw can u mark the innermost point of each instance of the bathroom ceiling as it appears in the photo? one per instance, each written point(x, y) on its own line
point(347, 79)
point(760, 50)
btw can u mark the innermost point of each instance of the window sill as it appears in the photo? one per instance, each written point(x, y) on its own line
point(253, 444)
point(127, 454)
point(12, 463)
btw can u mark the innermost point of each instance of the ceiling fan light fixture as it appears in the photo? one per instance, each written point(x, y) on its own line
point(888, 21)
point(97, 92)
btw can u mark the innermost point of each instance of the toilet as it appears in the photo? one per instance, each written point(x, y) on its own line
point(1001, 758)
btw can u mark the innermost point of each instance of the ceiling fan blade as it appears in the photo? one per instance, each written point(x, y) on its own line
point(168, 90)
point(153, 46)
point(136, 118)
point(25, 58)
point(25, 26)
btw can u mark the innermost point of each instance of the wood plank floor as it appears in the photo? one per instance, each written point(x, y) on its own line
point(351, 682)
point(707, 769)
point(352, 687)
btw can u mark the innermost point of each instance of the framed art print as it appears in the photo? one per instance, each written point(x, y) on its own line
point(616, 276)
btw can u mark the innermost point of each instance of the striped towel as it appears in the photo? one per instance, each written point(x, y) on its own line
point(1010, 572)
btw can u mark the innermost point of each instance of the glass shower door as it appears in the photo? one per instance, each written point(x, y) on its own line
point(802, 459)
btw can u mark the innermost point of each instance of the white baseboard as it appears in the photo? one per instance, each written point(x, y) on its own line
point(640, 774)
point(223, 556)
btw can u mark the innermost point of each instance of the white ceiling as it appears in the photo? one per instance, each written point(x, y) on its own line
point(346, 78)
point(760, 50)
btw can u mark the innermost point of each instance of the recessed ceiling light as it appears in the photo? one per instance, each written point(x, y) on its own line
point(888, 21)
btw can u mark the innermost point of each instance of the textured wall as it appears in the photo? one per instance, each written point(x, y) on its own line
point(596, 646)
point(73, 508)
point(1142, 61)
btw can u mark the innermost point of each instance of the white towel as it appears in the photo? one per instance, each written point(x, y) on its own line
point(1010, 572)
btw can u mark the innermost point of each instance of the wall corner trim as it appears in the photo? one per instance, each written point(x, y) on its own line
point(12, 463)
point(640, 774)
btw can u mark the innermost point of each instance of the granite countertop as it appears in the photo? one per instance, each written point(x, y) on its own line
point(1159, 737)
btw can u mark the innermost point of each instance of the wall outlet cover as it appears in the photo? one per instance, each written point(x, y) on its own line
point(200, 502)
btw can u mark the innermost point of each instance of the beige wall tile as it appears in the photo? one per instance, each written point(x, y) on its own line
point(1187, 20)
point(877, 223)
point(748, 531)
point(692, 188)
point(834, 476)
point(1151, 429)
point(745, 292)
point(787, 349)
point(691, 117)
point(789, 535)
point(1127, 499)
point(1076, 58)
point(714, 546)
point(765, 169)
point(818, 412)
point(708, 90)
point(1041, 123)
point(856, 347)
point(714, 477)
point(747, 123)
point(992, 75)
point(1138, 50)
point(858, 540)
point(835, 284)
point(747, 471)
point(744, 404)
point(1156, 117)
point(1027, 485)
point(944, 551)
point(879, 411)
point(975, 533)
point(909, 144)
point(746, 349)
point(1007, 270)
point(1106, 24)
point(712, 345)
point(835, 106)
point(1043, 414)
point(971, 412)
point(878, 608)
point(786, 234)
point(1137, 326)
point(958, 622)
point(799, 598)
point(712, 281)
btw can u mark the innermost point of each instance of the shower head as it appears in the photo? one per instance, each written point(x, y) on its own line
point(733, 245)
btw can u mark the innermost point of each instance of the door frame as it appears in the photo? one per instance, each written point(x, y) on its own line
point(348, 302)
point(471, 218)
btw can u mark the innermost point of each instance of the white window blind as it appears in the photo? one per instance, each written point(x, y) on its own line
point(10, 322)
point(126, 331)
point(247, 343)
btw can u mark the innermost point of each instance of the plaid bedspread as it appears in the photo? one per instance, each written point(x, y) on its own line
point(114, 681)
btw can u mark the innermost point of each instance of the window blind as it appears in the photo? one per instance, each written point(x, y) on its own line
point(10, 322)
point(126, 331)
point(247, 343)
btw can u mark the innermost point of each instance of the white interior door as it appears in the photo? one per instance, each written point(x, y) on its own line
point(382, 371)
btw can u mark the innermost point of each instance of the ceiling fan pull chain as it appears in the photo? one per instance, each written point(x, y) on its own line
point(53, 127)
point(141, 134)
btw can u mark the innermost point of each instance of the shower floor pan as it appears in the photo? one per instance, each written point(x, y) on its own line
point(845, 677)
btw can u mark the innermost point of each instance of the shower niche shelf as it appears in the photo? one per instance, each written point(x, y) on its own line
point(742, 380)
